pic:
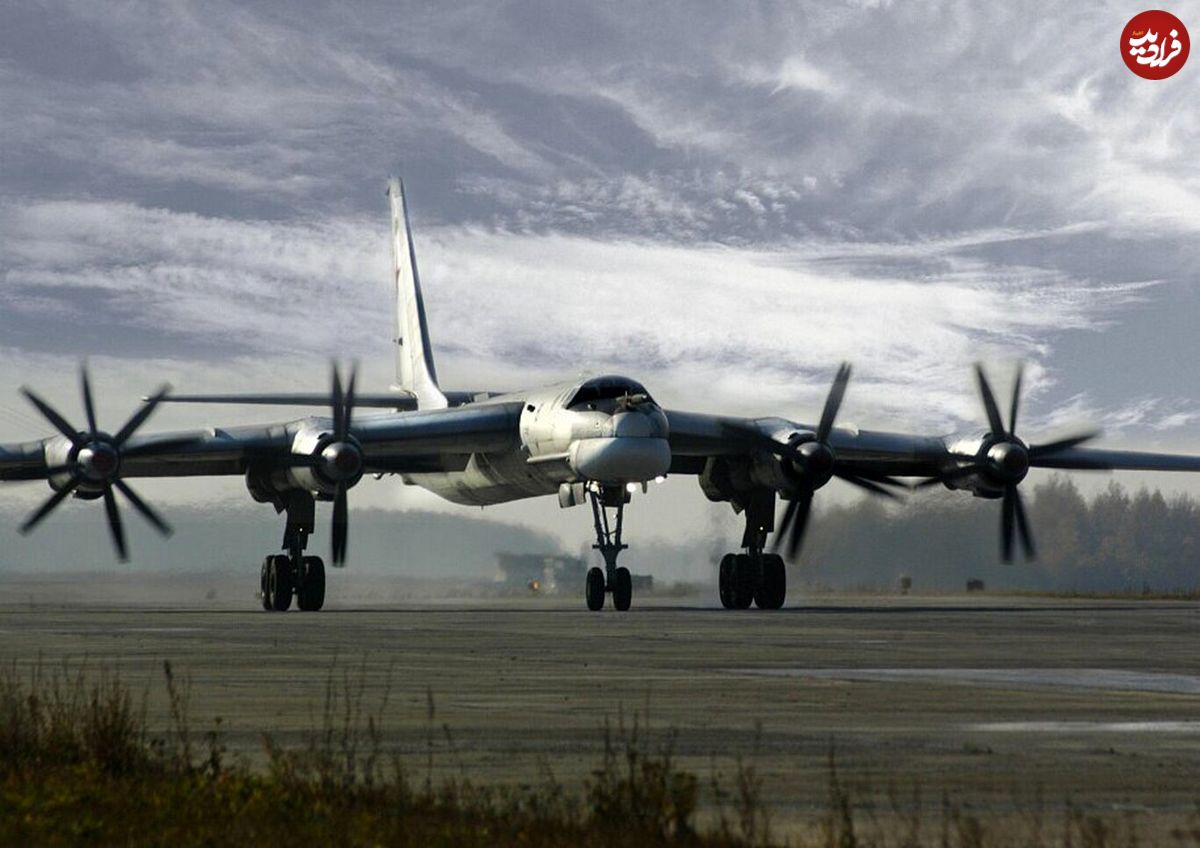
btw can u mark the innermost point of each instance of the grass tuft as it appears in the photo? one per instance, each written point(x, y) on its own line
point(77, 764)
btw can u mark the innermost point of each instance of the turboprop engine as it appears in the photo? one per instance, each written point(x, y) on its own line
point(993, 465)
point(325, 459)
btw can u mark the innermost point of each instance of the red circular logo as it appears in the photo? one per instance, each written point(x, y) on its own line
point(1155, 44)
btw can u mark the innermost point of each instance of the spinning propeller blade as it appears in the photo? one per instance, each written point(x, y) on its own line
point(342, 401)
point(1004, 460)
point(96, 461)
point(820, 454)
point(341, 530)
point(795, 521)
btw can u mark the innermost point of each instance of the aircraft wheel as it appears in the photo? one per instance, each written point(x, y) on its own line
point(725, 580)
point(745, 581)
point(773, 589)
point(264, 584)
point(622, 589)
point(280, 583)
point(310, 595)
point(594, 589)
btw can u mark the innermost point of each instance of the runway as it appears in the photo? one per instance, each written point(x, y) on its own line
point(985, 698)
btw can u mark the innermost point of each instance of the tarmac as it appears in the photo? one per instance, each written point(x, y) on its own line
point(1001, 704)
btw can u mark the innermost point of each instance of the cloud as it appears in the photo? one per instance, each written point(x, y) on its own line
point(761, 328)
point(726, 206)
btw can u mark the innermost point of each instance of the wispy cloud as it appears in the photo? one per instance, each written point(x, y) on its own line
point(725, 205)
point(749, 327)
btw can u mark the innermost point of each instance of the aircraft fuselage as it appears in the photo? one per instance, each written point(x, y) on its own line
point(604, 429)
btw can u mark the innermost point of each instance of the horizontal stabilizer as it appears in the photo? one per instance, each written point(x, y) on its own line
point(399, 401)
point(393, 401)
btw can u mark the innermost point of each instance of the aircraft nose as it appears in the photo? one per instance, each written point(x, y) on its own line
point(631, 425)
point(620, 460)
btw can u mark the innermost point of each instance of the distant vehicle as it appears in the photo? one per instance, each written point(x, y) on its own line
point(540, 573)
point(596, 440)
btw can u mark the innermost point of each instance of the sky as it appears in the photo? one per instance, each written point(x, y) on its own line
point(722, 200)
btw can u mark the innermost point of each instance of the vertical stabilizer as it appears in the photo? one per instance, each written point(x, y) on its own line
point(415, 372)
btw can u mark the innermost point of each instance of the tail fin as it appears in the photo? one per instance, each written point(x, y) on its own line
point(415, 372)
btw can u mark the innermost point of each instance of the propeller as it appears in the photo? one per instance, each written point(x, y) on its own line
point(341, 461)
point(1004, 460)
point(95, 462)
point(815, 463)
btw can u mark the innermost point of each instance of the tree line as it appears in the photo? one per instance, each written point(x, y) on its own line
point(1116, 540)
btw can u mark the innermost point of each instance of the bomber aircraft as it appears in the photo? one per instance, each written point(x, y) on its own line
point(594, 441)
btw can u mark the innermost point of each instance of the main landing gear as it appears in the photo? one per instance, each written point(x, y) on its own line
point(755, 577)
point(294, 574)
point(612, 578)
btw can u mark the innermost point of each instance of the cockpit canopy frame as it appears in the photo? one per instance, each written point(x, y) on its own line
point(606, 388)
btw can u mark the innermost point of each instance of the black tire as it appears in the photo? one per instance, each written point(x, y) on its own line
point(725, 581)
point(622, 589)
point(282, 584)
point(310, 595)
point(594, 589)
point(772, 591)
point(745, 581)
point(264, 584)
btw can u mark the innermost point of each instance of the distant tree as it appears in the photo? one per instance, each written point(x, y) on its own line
point(1059, 517)
point(1112, 542)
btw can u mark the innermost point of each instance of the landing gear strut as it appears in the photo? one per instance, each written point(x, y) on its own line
point(294, 574)
point(612, 578)
point(755, 577)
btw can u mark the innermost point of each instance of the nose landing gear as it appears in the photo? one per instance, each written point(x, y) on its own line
point(612, 578)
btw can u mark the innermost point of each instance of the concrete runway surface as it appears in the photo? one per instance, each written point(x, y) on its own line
point(988, 698)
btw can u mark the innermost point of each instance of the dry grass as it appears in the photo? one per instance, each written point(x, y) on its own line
point(79, 765)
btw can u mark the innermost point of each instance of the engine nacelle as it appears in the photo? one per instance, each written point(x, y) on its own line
point(979, 484)
point(310, 441)
point(726, 478)
point(266, 485)
point(326, 464)
point(92, 463)
point(773, 472)
point(333, 464)
point(733, 478)
point(58, 452)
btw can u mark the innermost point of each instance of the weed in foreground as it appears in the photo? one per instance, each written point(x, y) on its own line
point(77, 764)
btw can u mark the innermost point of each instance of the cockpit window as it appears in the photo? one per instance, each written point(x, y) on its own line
point(606, 388)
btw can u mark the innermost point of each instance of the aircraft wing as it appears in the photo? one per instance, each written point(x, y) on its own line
point(699, 435)
point(748, 461)
point(389, 443)
point(1116, 460)
point(696, 436)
